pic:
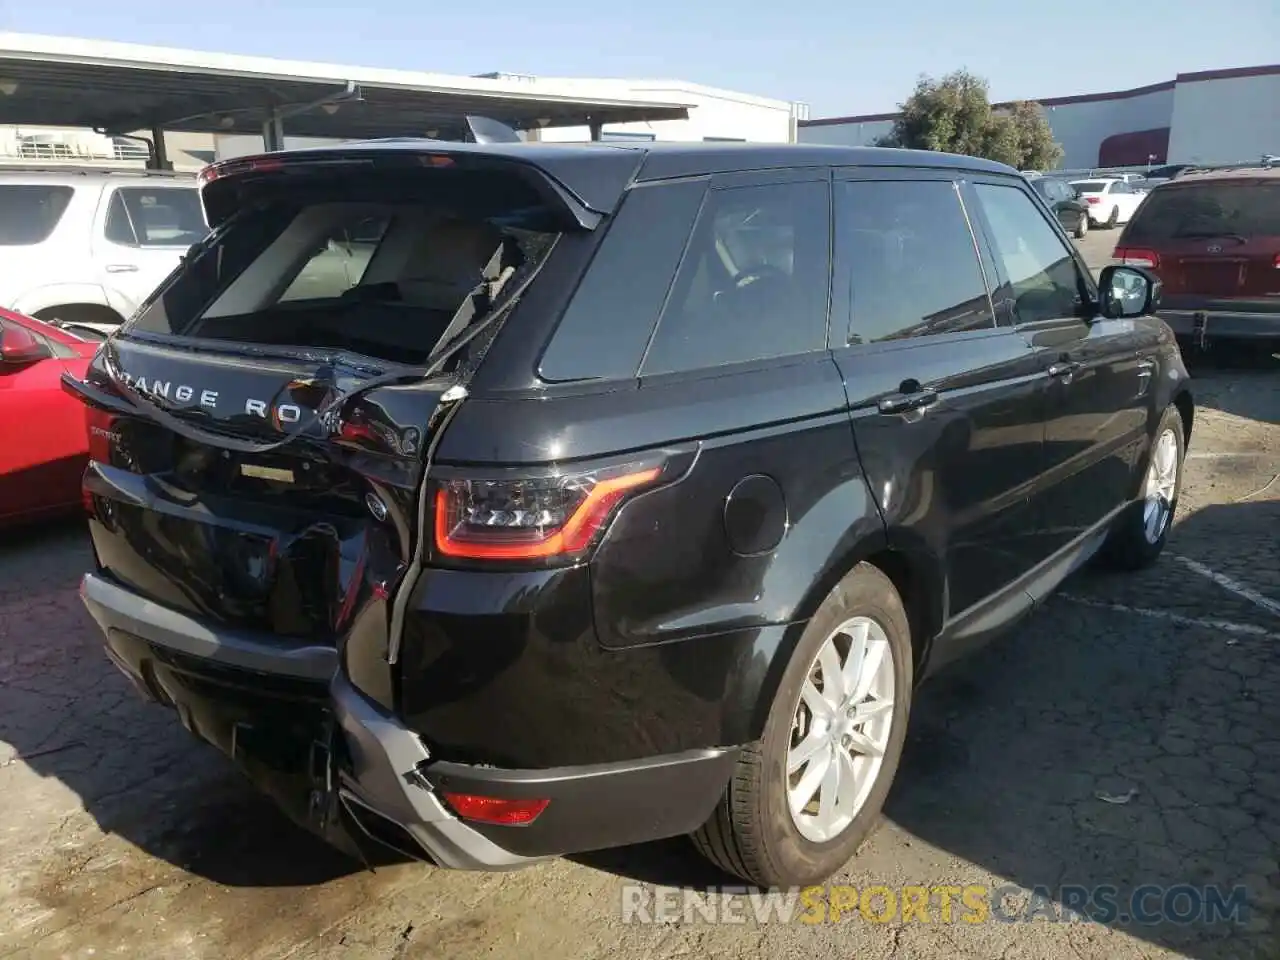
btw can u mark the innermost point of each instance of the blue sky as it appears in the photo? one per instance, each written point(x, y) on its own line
point(840, 57)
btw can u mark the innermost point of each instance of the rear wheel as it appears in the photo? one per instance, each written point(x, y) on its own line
point(1140, 532)
point(804, 798)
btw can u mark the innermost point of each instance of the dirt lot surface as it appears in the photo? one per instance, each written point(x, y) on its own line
point(121, 836)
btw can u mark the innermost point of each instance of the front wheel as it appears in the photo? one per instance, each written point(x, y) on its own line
point(1141, 530)
point(805, 796)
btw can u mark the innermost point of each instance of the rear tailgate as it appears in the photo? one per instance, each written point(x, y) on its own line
point(295, 541)
point(259, 432)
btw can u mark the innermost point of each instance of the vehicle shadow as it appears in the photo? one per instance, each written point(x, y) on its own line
point(1121, 737)
point(69, 716)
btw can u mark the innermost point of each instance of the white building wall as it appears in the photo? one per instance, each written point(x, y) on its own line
point(713, 115)
point(860, 133)
point(1232, 120)
point(1081, 127)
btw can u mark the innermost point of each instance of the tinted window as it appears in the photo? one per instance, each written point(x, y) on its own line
point(1042, 186)
point(1207, 210)
point(753, 283)
point(162, 216)
point(29, 212)
point(607, 325)
point(1040, 269)
point(908, 255)
point(1090, 186)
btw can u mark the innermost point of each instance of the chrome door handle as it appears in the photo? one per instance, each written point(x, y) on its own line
point(122, 268)
point(904, 402)
point(1063, 368)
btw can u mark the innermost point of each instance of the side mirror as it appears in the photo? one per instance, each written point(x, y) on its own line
point(20, 348)
point(1128, 291)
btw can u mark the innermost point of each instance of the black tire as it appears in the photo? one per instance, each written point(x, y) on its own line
point(1114, 218)
point(1127, 546)
point(1082, 228)
point(752, 834)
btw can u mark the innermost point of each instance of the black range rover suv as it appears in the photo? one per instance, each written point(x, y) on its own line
point(498, 502)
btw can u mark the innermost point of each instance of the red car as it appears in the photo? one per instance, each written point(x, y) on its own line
point(43, 437)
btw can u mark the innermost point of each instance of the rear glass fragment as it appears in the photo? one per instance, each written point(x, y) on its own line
point(374, 265)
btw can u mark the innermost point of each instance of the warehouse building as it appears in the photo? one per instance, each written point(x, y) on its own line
point(1214, 116)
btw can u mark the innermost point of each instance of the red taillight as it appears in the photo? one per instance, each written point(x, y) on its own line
point(1092, 199)
point(1137, 257)
point(511, 813)
point(1276, 263)
point(216, 171)
point(531, 518)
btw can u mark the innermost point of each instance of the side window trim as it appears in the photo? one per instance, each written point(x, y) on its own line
point(717, 184)
point(839, 281)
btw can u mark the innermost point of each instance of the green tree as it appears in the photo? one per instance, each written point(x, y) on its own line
point(954, 115)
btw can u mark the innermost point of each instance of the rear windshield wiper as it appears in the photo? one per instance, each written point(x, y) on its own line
point(462, 330)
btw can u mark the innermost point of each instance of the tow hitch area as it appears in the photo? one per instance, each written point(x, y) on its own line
point(1200, 330)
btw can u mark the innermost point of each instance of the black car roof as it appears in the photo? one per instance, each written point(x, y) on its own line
point(600, 172)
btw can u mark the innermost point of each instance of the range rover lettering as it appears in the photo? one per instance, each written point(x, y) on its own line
point(496, 502)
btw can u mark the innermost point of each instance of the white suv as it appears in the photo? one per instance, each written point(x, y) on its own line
point(86, 246)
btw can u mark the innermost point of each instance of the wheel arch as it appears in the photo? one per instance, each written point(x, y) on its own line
point(916, 573)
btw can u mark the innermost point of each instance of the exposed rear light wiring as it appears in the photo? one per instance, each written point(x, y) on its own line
point(532, 518)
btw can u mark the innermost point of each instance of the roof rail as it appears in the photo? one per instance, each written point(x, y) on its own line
point(84, 169)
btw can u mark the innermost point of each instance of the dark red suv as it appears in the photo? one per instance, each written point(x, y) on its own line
point(1213, 237)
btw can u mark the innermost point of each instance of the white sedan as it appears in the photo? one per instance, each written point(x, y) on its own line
point(1111, 200)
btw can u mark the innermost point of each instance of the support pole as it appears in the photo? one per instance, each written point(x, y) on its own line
point(597, 131)
point(159, 159)
point(273, 132)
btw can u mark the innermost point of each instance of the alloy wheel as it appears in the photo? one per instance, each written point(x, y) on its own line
point(840, 730)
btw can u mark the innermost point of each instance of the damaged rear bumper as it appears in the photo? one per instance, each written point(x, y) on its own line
point(343, 767)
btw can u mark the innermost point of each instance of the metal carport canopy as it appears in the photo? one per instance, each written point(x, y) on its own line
point(123, 88)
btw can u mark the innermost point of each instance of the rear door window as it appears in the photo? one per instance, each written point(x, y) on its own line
point(30, 212)
point(1207, 210)
point(908, 257)
point(155, 217)
point(754, 282)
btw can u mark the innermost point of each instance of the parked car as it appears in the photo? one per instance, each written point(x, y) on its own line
point(87, 245)
point(1067, 205)
point(1111, 201)
point(1213, 237)
point(43, 438)
point(550, 533)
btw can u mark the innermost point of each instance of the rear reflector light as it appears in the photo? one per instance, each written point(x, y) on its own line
point(1135, 257)
point(511, 813)
point(531, 518)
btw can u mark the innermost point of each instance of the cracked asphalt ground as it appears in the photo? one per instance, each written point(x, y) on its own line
point(120, 835)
